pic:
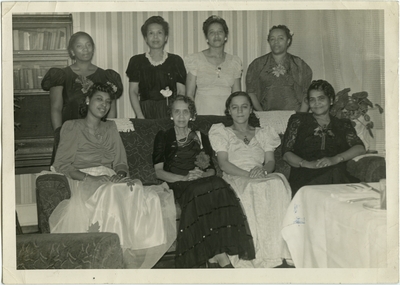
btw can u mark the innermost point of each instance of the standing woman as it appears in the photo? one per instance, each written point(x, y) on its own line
point(279, 80)
point(68, 86)
point(246, 156)
point(156, 74)
point(212, 73)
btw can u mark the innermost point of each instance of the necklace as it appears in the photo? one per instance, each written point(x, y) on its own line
point(246, 140)
point(96, 132)
point(184, 138)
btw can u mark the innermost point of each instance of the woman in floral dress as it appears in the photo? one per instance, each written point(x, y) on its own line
point(278, 80)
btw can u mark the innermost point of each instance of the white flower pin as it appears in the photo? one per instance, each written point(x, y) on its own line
point(166, 93)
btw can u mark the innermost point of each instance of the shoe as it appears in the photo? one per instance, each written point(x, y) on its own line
point(213, 264)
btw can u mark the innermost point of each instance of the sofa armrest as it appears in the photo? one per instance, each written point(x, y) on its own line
point(51, 189)
point(368, 169)
point(69, 251)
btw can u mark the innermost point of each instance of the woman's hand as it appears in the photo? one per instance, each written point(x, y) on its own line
point(116, 178)
point(257, 172)
point(325, 162)
point(194, 174)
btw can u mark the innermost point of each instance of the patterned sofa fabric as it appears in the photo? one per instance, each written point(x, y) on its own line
point(139, 143)
point(51, 189)
point(69, 251)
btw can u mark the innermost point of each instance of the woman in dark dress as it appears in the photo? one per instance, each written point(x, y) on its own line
point(317, 145)
point(278, 80)
point(212, 222)
point(155, 75)
point(68, 86)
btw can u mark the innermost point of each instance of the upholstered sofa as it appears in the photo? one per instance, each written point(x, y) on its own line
point(138, 136)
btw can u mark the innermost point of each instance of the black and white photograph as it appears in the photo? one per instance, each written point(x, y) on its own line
point(155, 142)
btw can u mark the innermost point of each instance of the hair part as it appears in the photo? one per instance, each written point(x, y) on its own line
point(215, 19)
point(155, 20)
point(289, 35)
point(96, 87)
point(324, 86)
point(185, 99)
point(253, 120)
point(74, 38)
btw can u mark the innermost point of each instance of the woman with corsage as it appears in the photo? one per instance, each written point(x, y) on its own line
point(278, 80)
point(69, 86)
point(213, 74)
point(246, 156)
point(103, 199)
point(212, 224)
point(317, 145)
point(156, 75)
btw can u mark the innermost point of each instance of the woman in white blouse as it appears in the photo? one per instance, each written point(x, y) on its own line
point(212, 73)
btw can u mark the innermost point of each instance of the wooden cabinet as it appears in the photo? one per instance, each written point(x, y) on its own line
point(39, 43)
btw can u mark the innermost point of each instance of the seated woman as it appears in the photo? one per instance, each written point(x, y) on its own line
point(246, 157)
point(212, 222)
point(103, 199)
point(317, 145)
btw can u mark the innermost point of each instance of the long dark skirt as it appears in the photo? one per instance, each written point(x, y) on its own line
point(152, 109)
point(212, 222)
point(335, 174)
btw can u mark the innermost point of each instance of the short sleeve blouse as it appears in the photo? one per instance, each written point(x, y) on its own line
point(74, 91)
point(154, 78)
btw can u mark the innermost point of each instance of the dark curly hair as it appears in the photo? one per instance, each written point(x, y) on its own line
point(289, 35)
point(253, 120)
point(155, 20)
point(73, 39)
point(187, 100)
point(215, 19)
point(102, 87)
point(324, 86)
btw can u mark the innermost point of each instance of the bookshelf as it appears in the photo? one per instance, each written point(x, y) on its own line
point(39, 43)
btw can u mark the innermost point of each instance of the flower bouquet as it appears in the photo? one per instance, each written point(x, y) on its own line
point(202, 160)
point(355, 108)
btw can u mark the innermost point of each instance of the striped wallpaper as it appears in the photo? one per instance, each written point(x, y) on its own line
point(343, 47)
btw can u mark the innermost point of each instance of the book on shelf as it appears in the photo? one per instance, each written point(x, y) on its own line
point(40, 39)
point(16, 39)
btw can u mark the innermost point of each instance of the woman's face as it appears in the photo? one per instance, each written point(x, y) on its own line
point(240, 109)
point(181, 114)
point(155, 37)
point(83, 49)
point(216, 35)
point(278, 41)
point(99, 104)
point(319, 102)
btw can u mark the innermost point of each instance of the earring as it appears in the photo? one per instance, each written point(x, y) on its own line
point(172, 118)
point(226, 39)
point(190, 119)
point(87, 103)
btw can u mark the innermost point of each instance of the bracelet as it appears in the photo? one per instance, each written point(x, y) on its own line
point(121, 175)
point(301, 163)
point(341, 158)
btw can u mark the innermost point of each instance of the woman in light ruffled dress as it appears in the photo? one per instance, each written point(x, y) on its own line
point(246, 157)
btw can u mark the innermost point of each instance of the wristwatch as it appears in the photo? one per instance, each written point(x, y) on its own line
point(341, 158)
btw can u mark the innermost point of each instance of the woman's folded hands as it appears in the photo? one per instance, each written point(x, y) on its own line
point(257, 172)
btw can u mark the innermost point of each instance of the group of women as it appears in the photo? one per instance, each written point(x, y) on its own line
point(229, 221)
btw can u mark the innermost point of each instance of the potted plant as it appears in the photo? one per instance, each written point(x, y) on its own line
point(355, 107)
